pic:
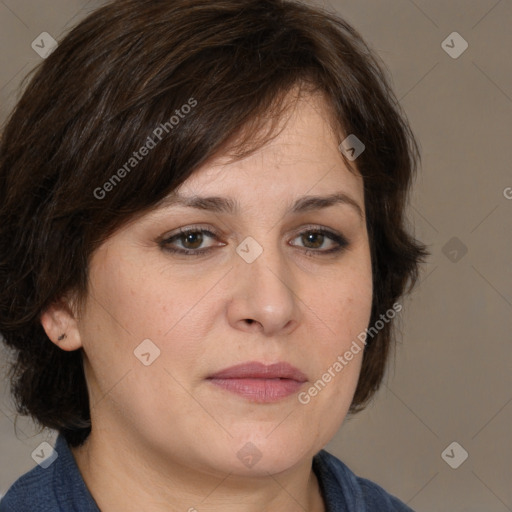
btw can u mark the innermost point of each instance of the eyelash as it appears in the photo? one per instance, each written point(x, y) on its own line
point(339, 239)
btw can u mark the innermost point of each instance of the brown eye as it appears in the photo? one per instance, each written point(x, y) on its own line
point(314, 239)
point(190, 240)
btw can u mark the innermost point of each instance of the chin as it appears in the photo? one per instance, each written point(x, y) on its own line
point(260, 455)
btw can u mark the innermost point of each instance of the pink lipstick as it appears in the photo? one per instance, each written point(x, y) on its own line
point(259, 382)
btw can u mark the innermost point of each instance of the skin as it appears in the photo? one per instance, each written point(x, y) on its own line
point(165, 438)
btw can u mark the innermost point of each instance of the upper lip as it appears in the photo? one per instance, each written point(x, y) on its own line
point(257, 370)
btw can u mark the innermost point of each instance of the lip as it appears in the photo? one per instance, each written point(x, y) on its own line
point(259, 382)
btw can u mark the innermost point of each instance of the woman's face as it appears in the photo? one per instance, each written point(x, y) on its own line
point(267, 289)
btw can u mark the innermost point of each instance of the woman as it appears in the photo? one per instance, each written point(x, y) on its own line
point(203, 248)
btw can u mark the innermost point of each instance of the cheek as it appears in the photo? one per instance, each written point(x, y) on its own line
point(345, 310)
point(130, 303)
point(135, 300)
point(338, 356)
point(347, 301)
point(341, 353)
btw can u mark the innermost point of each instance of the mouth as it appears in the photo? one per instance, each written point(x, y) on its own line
point(258, 382)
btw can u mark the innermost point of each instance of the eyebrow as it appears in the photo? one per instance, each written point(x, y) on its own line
point(231, 206)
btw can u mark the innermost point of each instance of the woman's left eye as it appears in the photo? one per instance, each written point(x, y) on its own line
point(192, 239)
point(318, 236)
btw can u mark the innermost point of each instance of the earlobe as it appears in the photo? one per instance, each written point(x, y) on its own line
point(61, 326)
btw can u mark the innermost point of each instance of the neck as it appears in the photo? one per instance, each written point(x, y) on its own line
point(121, 477)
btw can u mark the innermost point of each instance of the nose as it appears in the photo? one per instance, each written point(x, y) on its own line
point(264, 298)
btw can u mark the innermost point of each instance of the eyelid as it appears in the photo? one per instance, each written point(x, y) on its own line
point(338, 238)
point(190, 229)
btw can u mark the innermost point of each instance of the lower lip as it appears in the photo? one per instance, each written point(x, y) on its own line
point(260, 390)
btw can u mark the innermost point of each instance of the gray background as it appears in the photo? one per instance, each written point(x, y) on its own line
point(451, 378)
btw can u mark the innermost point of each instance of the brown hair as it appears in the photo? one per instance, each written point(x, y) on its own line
point(117, 76)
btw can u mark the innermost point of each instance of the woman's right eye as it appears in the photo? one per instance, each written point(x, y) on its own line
point(191, 240)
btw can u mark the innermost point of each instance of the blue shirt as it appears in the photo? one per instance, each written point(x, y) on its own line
point(61, 488)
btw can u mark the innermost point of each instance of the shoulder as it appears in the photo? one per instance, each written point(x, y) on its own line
point(343, 490)
point(54, 485)
point(32, 491)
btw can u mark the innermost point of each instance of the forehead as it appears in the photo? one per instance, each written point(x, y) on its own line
point(302, 157)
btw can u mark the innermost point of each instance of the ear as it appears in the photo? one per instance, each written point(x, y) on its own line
point(60, 323)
